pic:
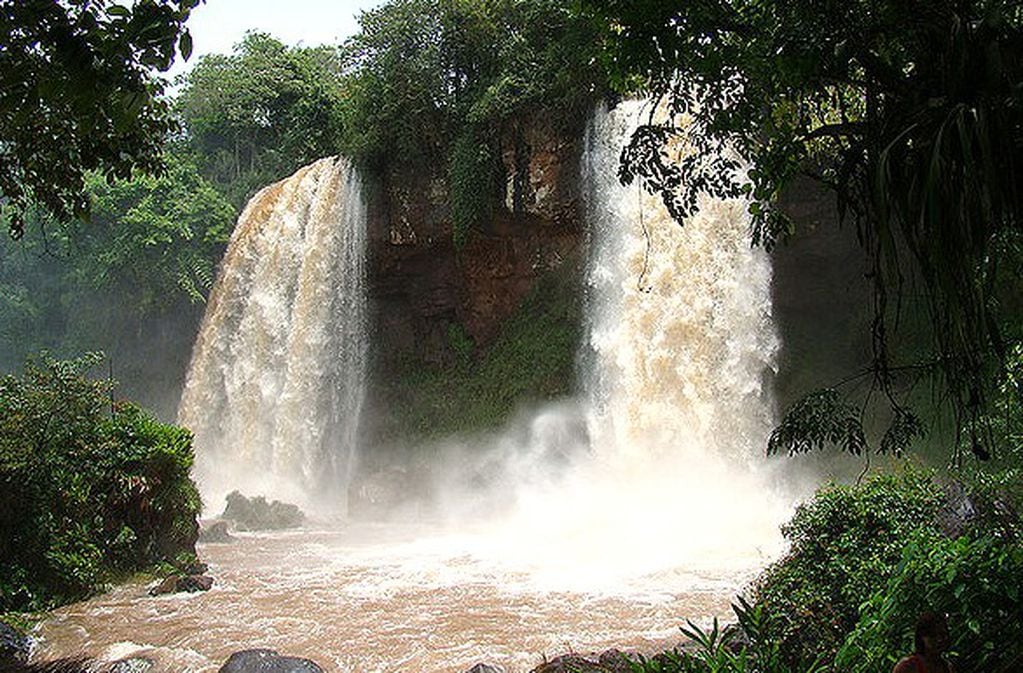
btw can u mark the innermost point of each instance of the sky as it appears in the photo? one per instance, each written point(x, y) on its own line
point(217, 25)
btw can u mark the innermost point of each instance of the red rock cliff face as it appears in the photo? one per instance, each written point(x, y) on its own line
point(421, 286)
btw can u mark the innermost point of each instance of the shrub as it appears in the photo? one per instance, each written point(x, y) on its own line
point(845, 543)
point(975, 579)
point(88, 489)
point(865, 562)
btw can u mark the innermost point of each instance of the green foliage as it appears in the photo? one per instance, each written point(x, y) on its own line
point(909, 111)
point(821, 419)
point(86, 491)
point(461, 344)
point(845, 543)
point(472, 182)
point(131, 282)
point(865, 562)
point(151, 241)
point(532, 359)
point(431, 84)
point(974, 579)
point(77, 93)
point(747, 647)
point(256, 115)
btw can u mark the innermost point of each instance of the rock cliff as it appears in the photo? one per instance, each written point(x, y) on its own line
point(421, 285)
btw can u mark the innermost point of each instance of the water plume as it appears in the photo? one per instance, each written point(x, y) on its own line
point(275, 386)
point(676, 392)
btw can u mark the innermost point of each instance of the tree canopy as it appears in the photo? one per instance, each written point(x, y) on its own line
point(261, 112)
point(912, 112)
point(78, 93)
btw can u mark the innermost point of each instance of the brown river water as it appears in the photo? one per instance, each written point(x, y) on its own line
point(383, 598)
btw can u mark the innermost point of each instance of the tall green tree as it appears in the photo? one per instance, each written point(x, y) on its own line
point(131, 282)
point(78, 93)
point(432, 84)
point(258, 114)
point(912, 112)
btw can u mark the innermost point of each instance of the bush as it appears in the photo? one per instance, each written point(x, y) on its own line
point(865, 562)
point(975, 579)
point(845, 543)
point(88, 489)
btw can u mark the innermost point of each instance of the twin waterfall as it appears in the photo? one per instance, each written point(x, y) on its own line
point(275, 387)
point(674, 377)
point(619, 514)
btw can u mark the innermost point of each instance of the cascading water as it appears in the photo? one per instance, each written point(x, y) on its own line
point(275, 387)
point(680, 326)
point(640, 504)
point(676, 390)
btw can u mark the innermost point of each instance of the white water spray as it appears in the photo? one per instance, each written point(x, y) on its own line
point(275, 387)
point(676, 391)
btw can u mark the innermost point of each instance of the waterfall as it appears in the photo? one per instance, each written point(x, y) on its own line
point(681, 337)
point(676, 391)
point(275, 387)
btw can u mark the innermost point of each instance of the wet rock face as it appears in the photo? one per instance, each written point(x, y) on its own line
point(541, 165)
point(420, 285)
point(267, 661)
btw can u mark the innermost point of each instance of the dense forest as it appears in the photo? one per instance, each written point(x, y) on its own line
point(911, 114)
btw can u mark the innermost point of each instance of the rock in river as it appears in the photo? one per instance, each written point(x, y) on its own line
point(267, 661)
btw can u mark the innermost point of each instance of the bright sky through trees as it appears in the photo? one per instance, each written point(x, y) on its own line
point(217, 25)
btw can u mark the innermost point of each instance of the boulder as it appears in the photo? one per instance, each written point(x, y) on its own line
point(958, 510)
point(215, 532)
point(616, 661)
point(14, 646)
point(484, 668)
point(194, 583)
point(178, 583)
point(131, 665)
point(167, 585)
point(257, 514)
point(267, 661)
point(571, 663)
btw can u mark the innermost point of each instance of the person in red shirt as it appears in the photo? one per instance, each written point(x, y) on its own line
point(931, 642)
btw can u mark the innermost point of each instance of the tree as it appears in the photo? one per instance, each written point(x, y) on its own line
point(432, 85)
point(77, 93)
point(132, 281)
point(912, 112)
point(257, 115)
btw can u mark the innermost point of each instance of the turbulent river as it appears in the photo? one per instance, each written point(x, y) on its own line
point(382, 598)
point(605, 521)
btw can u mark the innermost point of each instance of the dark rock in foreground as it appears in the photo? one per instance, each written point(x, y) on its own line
point(72, 665)
point(131, 665)
point(570, 663)
point(215, 532)
point(616, 660)
point(611, 661)
point(485, 668)
point(188, 583)
point(257, 514)
point(14, 646)
point(267, 661)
